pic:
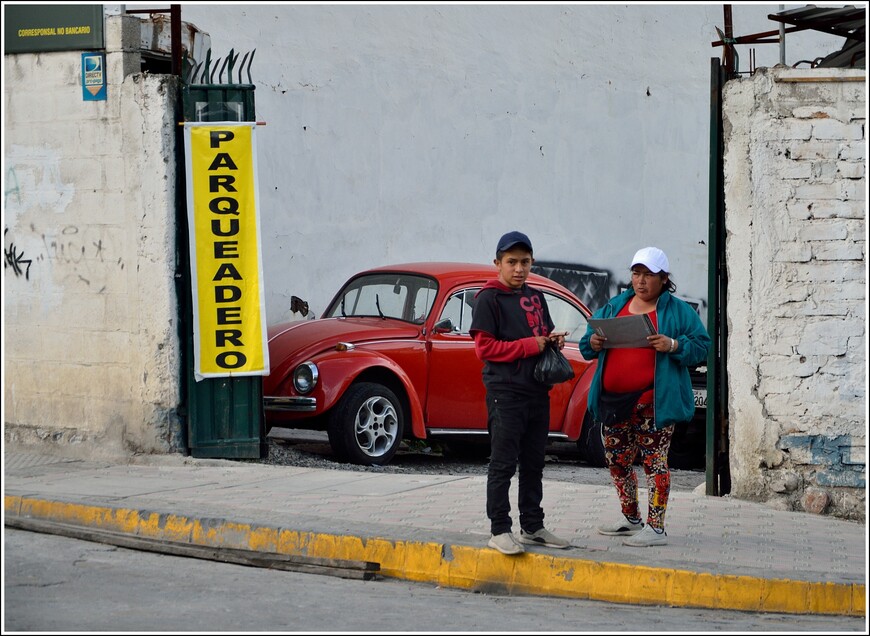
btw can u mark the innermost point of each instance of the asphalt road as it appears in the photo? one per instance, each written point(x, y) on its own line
point(59, 584)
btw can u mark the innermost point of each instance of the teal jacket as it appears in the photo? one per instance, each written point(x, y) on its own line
point(674, 400)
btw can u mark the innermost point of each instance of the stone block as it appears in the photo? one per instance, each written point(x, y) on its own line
point(815, 501)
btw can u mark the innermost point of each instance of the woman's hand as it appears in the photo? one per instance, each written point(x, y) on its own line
point(662, 343)
point(597, 342)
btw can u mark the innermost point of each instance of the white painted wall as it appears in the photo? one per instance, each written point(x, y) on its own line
point(91, 353)
point(796, 220)
point(423, 132)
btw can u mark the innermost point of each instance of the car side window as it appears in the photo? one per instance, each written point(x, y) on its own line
point(458, 310)
point(566, 317)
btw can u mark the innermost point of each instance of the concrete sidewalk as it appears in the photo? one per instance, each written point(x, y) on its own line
point(723, 553)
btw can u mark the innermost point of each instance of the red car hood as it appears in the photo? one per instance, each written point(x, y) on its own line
point(294, 342)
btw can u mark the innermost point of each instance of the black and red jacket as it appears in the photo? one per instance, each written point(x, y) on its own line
point(504, 324)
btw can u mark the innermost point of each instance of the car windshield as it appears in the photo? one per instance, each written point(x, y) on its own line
point(407, 297)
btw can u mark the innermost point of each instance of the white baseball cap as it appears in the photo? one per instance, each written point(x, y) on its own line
point(654, 259)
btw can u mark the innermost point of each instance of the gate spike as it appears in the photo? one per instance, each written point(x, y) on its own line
point(249, 67)
point(213, 71)
point(221, 74)
point(242, 65)
point(205, 68)
point(231, 58)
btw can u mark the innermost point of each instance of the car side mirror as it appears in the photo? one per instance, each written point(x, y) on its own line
point(443, 326)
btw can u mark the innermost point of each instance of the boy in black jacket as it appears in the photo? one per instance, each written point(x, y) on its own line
point(511, 325)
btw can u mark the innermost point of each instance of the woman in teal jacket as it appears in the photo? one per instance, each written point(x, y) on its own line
point(639, 393)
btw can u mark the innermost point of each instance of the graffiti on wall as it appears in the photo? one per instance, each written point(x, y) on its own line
point(74, 253)
point(595, 286)
point(13, 259)
point(591, 285)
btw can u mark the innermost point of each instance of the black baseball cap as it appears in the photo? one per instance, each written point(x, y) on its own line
point(512, 239)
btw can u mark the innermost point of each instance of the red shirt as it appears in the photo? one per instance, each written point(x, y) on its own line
point(628, 370)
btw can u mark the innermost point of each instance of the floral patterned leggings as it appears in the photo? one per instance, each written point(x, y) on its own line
point(622, 442)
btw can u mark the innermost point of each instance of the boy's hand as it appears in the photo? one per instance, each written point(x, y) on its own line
point(542, 342)
point(558, 337)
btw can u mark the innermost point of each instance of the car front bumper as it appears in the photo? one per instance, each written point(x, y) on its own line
point(293, 404)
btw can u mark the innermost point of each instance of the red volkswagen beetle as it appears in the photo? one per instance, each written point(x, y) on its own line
point(392, 358)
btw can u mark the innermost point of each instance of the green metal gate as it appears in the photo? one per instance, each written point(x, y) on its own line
point(224, 415)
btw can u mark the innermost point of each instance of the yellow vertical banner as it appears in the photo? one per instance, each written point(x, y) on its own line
point(229, 317)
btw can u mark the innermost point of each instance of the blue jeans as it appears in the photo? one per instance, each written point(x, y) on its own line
point(518, 430)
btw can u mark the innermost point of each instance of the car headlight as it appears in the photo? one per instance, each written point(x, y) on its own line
point(305, 377)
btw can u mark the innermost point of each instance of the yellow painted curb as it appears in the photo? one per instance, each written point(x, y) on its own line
point(480, 569)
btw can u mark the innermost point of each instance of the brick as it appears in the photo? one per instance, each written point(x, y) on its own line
point(787, 367)
point(855, 454)
point(815, 112)
point(852, 152)
point(813, 150)
point(792, 129)
point(826, 344)
point(850, 169)
point(825, 171)
point(800, 210)
point(795, 170)
point(811, 307)
point(793, 253)
point(826, 230)
point(839, 251)
point(853, 190)
point(816, 191)
point(849, 290)
point(844, 477)
point(825, 129)
point(827, 209)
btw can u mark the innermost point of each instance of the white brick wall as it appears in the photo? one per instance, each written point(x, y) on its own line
point(796, 254)
point(92, 354)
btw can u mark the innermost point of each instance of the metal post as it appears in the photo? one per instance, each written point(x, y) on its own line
point(175, 36)
point(718, 475)
point(728, 46)
point(782, 38)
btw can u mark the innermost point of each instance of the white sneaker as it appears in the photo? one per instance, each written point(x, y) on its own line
point(646, 538)
point(505, 543)
point(621, 526)
point(543, 537)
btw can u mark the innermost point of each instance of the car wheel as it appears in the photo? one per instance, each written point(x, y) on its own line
point(590, 444)
point(367, 424)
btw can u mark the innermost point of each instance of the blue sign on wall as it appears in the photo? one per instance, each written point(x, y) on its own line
point(93, 77)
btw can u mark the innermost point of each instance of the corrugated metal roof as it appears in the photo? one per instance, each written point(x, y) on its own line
point(848, 22)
